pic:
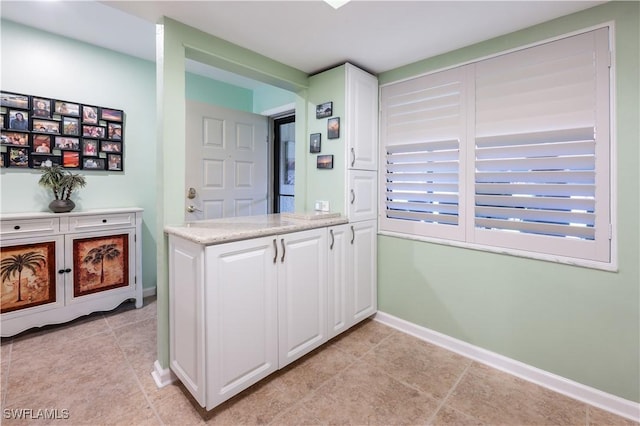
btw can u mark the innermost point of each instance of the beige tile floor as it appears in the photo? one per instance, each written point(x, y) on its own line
point(98, 368)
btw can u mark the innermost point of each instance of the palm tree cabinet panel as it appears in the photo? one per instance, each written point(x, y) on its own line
point(58, 267)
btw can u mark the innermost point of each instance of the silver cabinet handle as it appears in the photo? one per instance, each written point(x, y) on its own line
point(275, 247)
point(353, 157)
point(333, 239)
point(284, 250)
point(353, 196)
point(353, 235)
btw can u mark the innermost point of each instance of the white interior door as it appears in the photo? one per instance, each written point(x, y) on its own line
point(226, 162)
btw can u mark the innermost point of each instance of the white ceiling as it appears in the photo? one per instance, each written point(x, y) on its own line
point(308, 35)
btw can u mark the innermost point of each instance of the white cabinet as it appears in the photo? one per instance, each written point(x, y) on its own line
point(241, 310)
point(352, 275)
point(58, 267)
point(363, 201)
point(361, 96)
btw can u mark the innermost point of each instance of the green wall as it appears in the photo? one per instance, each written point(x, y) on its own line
point(579, 323)
point(203, 89)
point(39, 63)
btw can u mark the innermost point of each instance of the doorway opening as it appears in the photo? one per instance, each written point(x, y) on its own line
point(284, 161)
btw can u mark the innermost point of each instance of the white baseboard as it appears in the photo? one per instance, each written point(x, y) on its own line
point(589, 395)
point(148, 291)
point(162, 376)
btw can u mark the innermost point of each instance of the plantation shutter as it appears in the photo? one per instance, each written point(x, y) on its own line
point(542, 148)
point(422, 137)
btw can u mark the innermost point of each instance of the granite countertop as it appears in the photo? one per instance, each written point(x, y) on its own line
point(218, 231)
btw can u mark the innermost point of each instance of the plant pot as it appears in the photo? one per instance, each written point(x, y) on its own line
point(61, 206)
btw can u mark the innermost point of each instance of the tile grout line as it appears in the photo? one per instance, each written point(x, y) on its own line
point(448, 395)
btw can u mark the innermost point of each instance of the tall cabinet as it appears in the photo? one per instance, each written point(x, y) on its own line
point(352, 290)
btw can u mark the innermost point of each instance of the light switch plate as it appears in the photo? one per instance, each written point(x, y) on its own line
point(321, 206)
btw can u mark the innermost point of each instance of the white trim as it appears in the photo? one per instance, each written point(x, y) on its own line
point(162, 376)
point(586, 394)
point(149, 291)
point(279, 110)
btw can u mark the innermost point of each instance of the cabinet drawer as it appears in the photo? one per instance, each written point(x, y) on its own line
point(105, 221)
point(47, 226)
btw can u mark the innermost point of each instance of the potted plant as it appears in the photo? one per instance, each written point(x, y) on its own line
point(62, 182)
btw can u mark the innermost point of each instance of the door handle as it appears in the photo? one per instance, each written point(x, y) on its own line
point(353, 235)
point(333, 240)
point(284, 250)
point(275, 247)
point(353, 196)
point(192, 209)
point(353, 157)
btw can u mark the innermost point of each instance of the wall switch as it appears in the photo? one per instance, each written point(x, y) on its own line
point(321, 206)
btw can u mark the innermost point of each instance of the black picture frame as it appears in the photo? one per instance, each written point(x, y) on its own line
point(66, 143)
point(71, 126)
point(90, 131)
point(333, 128)
point(114, 131)
point(14, 100)
point(39, 125)
point(18, 156)
point(109, 114)
point(89, 114)
point(324, 110)
point(41, 143)
point(18, 119)
point(114, 162)
point(93, 163)
point(40, 107)
point(66, 108)
point(3, 160)
point(2, 121)
point(39, 160)
point(315, 142)
point(111, 147)
point(14, 138)
point(90, 148)
point(71, 159)
point(324, 162)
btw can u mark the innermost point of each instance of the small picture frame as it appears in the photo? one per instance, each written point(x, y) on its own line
point(14, 100)
point(45, 126)
point(114, 162)
point(89, 114)
point(67, 108)
point(3, 159)
point(97, 132)
point(333, 128)
point(93, 163)
point(19, 157)
point(41, 144)
point(324, 110)
point(70, 159)
point(2, 125)
point(109, 114)
point(38, 161)
point(14, 138)
point(325, 162)
point(41, 107)
point(71, 126)
point(90, 148)
point(314, 142)
point(108, 146)
point(18, 120)
point(114, 131)
point(63, 142)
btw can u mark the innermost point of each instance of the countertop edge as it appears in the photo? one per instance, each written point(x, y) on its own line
point(198, 235)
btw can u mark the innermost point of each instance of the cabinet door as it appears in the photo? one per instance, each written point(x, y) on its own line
point(241, 316)
point(302, 293)
point(364, 270)
point(186, 315)
point(362, 195)
point(362, 115)
point(338, 288)
point(32, 282)
point(99, 264)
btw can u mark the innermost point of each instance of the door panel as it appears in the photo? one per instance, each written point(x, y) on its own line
point(226, 162)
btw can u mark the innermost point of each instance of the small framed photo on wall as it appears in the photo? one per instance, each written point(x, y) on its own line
point(114, 162)
point(325, 162)
point(67, 108)
point(324, 110)
point(41, 107)
point(42, 144)
point(89, 114)
point(109, 114)
point(333, 128)
point(314, 142)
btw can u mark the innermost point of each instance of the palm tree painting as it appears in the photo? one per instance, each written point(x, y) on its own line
point(100, 263)
point(27, 275)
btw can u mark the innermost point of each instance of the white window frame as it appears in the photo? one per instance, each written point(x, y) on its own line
point(416, 230)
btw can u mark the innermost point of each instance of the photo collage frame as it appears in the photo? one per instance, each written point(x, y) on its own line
point(36, 131)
